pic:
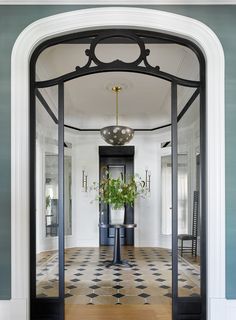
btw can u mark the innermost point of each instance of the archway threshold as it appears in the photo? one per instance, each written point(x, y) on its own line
point(130, 312)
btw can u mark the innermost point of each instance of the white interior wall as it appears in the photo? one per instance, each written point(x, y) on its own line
point(85, 211)
point(147, 212)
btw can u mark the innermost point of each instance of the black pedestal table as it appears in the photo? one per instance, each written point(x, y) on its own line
point(117, 261)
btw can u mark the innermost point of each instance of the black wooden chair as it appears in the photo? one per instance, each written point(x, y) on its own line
point(191, 237)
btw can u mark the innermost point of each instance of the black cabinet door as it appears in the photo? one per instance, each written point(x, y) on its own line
point(118, 161)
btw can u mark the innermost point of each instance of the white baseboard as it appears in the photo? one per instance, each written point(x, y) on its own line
point(15, 309)
point(164, 241)
point(87, 243)
point(231, 309)
point(145, 244)
point(70, 243)
point(222, 309)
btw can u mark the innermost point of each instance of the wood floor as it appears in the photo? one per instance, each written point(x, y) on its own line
point(116, 312)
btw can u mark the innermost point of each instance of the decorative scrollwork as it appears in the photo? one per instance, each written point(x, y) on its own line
point(140, 65)
point(142, 58)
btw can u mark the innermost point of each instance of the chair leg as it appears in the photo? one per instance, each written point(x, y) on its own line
point(196, 248)
point(182, 247)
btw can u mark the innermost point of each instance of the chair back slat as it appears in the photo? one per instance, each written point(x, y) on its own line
point(195, 213)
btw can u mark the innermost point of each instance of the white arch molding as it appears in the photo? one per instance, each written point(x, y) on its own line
point(109, 17)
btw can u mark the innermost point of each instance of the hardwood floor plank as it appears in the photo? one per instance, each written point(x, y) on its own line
point(108, 312)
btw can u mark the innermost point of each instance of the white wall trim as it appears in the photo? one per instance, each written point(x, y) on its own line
point(147, 19)
point(120, 2)
point(13, 309)
point(222, 309)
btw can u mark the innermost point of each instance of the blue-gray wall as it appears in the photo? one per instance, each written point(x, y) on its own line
point(13, 19)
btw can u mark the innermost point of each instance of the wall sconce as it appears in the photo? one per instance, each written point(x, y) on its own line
point(148, 180)
point(84, 181)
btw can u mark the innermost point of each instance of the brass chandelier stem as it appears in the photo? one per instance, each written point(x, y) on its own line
point(117, 108)
point(117, 89)
point(117, 135)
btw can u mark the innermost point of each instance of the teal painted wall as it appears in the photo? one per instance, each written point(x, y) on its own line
point(13, 19)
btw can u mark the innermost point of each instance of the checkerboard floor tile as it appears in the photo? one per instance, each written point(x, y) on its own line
point(88, 281)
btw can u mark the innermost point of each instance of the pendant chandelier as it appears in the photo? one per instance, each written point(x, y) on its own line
point(117, 135)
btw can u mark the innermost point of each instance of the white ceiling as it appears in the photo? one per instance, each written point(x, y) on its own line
point(144, 101)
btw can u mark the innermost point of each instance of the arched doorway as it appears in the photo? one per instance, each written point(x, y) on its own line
point(191, 306)
point(118, 11)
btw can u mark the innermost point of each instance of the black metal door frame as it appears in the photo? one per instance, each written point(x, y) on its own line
point(181, 306)
point(53, 306)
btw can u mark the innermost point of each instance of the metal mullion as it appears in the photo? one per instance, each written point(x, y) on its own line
point(203, 189)
point(46, 106)
point(174, 160)
point(61, 195)
point(32, 191)
point(188, 104)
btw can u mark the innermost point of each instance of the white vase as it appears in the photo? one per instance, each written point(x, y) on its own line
point(117, 216)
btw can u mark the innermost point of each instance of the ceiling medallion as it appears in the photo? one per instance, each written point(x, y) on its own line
point(117, 135)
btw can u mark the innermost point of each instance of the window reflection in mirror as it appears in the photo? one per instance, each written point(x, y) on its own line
point(47, 267)
point(51, 195)
point(189, 216)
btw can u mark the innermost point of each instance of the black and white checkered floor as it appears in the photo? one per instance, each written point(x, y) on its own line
point(88, 281)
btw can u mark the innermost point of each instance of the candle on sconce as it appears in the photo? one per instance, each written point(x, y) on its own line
point(148, 179)
point(84, 181)
point(83, 174)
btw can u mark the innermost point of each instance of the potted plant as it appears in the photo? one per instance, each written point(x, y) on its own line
point(118, 193)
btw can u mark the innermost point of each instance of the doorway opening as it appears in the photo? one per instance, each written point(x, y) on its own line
point(118, 162)
point(60, 138)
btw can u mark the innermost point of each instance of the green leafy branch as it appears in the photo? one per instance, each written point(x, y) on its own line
point(117, 192)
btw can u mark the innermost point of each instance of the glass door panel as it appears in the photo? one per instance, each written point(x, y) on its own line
point(189, 218)
point(188, 233)
point(47, 205)
point(47, 254)
point(67, 190)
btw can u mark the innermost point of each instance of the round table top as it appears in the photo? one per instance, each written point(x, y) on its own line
point(109, 225)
